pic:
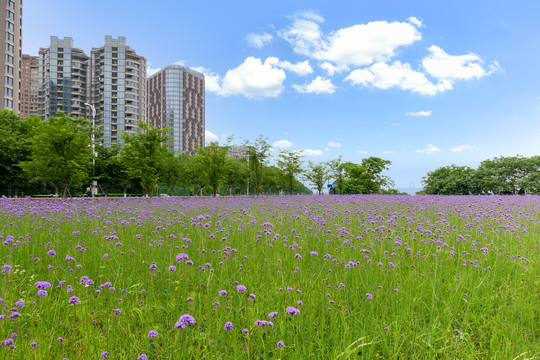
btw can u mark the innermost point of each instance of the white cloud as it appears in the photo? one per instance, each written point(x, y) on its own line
point(253, 78)
point(282, 144)
point(211, 79)
point(209, 136)
point(180, 62)
point(334, 144)
point(388, 152)
point(364, 44)
point(413, 20)
point(318, 86)
point(424, 113)
point(430, 149)
point(461, 148)
point(441, 65)
point(151, 71)
point(362, 152)
point(304, 34)
point(300, 68)
point(259, 40)
point(397, 74)
point(310, 152)
point(331, 69)
point(360, 44)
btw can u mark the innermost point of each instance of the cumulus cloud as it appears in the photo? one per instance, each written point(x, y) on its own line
point(360, 44)
point(318, 86)
point(300, 68)
point(211, 79)
point(398, 74)
point(253, 78)
point(461, 148)
point(430, 149)
point(310, 152)
point(259, 40)
point(209, 136)
point(413, 20)
point(151, 71)
point(441, 65)
point(334, 144)
point(282, 144)
point(331, 69)
point(424, 113)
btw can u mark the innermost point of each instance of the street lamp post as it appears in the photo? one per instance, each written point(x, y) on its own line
point(93, 147)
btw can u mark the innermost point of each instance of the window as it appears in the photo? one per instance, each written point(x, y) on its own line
point(8, 103)
point(8, 92)
point(10, 15)
point(10, 48)
point(10, 37)
point(10, 25)
point(8, 80)
point(8, 69)
point(10, 4)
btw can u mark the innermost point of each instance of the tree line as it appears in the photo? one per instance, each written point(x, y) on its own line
point(510, 175)
point(56, 155)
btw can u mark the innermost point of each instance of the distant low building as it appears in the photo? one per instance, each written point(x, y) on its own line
point(237, 152)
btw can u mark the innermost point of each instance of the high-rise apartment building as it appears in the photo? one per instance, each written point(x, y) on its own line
point(117, 89)
point(10, 62)
point(29, 85)
point(176, 100)
point(63, 79)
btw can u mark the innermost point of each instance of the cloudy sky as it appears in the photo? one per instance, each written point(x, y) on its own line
point(421, 83)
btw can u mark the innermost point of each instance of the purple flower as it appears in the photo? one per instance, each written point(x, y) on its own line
point(60, 340)
point(181, 257)
point(6, 268)
point(117, 311)
point(20, 304)
point(73, 300)
point(105, 354)
point(252, 296)
point(369, 296)
point(241, 288)
point(42, 293)
point(280, 344)
point(152, 334)
point(14, 314)
point(228, 325)
point(142, 357)
point(272, 314)
point(33, 344)
point(245, 331)
point(184, 320)
point(7, 342)
point(222, 292)
point(171, 268)
point(291, 310)
point(189, 299)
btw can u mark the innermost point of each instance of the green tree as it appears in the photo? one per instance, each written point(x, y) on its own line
point(375, 166)
point(257, 156)
point(451, 180)
point(317, 175)
point(15, 147)
point(290, 165)
point(211, 161)
point(144, 155)
point(61, 153)
point(335, 167)
point(236, 173)
point(504, 175)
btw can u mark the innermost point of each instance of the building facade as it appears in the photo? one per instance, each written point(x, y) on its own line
point(63, 79)
point(10, 62)
point(117, 89)
point(176, 100)
point(29, 85)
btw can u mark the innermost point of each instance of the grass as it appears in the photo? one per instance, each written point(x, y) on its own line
point(449, 277)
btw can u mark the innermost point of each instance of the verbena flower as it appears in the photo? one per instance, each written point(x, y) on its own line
point(228, 325)
point(241, 288)
point(293, 311)
point(73, 300)
point(152, 334)
point(280, 344)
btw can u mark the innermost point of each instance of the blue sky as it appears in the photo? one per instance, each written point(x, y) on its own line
point(421, 83)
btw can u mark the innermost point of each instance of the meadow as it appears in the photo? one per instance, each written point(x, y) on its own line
point(305, 277)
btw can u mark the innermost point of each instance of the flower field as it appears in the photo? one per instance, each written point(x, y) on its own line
point(307, 277)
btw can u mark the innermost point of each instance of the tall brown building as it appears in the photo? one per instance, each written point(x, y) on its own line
point(176, 100)
point(29, 85)
point(63, 79)
point(118, 89)
point(10, 61)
